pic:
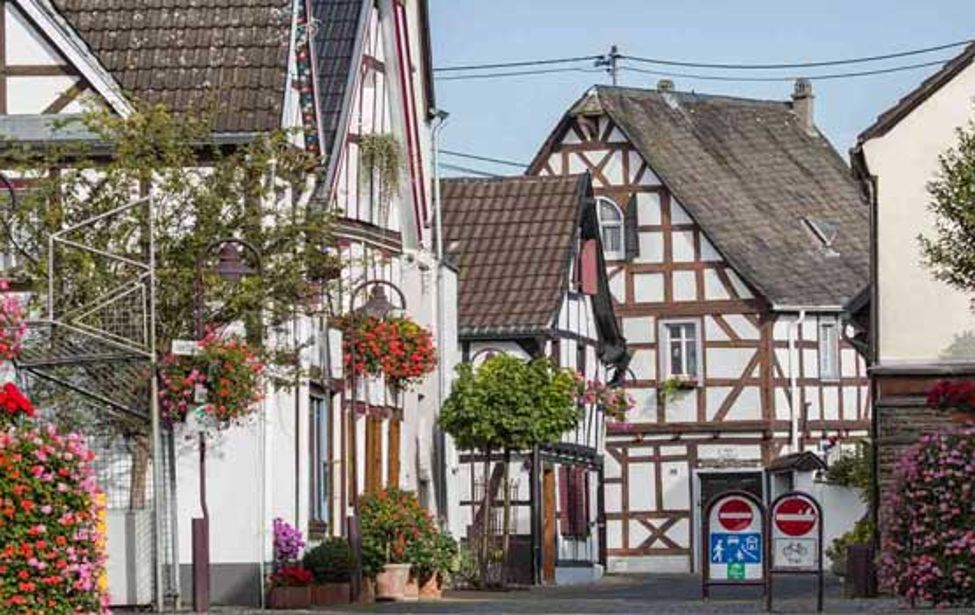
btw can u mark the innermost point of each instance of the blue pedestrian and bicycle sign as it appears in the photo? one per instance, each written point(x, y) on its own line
point(736, 548)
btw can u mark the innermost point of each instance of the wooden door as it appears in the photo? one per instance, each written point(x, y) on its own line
point(548, 526)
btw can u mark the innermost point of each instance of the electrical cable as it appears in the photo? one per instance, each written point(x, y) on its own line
point(462, 169)
point(445, 69)
point(509, 163)
point(858, 60)
point(864, 73)
point(520, 73)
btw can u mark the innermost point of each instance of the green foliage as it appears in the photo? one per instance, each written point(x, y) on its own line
point(671, 388)
point(330, 562)
point(201, 192)
point(467, 570)
point(391, 522)
point(508, 403)
point(949, 252)
point(854, 469)
point(381, 156)
point(435, 553)
point(862, 533)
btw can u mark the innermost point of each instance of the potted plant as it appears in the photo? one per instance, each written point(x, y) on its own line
point(433, 561)
point(331, 564)
point(392, 521)
point(290, 588)
point(958, 396)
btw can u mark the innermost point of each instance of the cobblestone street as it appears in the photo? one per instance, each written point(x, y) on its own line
point(634, 594)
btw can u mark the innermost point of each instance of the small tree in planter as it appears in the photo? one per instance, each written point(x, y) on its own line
point(508, 404)
point(331, 564)
point(929, 541)
point(391, 522)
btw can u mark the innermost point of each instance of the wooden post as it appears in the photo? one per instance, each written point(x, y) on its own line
point(535, 486)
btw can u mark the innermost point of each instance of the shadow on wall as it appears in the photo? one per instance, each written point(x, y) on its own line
point(961, 348)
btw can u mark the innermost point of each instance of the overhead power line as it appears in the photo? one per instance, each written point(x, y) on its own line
point(446, 69)
point(838, 62)
point(520, 73)
point(847, 75)
point(462, 169)
point(509, 163)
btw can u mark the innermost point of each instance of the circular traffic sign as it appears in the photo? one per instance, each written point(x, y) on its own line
point(735, 514)
point(795, 516)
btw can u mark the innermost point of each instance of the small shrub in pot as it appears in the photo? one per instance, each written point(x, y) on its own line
point(331, 564)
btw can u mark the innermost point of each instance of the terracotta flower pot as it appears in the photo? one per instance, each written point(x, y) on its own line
point(330, 593)
point(412, 591)
point(391, 582)
point(289, 598)
point(430, 588)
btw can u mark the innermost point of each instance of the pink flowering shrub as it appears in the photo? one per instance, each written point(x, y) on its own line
point(12, 325)
point(52, 556)
point(929, 538)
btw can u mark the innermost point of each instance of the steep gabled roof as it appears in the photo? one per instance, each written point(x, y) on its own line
point(778, 203)
point(339, 26)
point(185, 53)
point(513, 240)
point(891, 117)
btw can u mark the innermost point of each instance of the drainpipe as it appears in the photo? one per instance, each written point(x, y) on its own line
point(794, 384)
point(440, 454)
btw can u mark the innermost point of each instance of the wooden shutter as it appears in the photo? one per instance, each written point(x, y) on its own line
point(588, 265)
point(565, 505)
point(631, 233)
point(374, 454)
point(392, 479)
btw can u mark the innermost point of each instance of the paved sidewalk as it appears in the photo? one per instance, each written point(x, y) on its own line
point(630, 595)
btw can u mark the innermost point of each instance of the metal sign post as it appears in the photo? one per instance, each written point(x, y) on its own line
point(735, 541)
point(795, 543)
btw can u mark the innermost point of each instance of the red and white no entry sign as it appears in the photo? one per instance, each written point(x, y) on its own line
point(735, 515)
point(795, 516)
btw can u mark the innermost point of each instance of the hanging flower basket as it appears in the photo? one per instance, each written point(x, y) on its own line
point(614, 401)
point(12, 325)
point(223, 380)
point(395, 347)
point(956, 396)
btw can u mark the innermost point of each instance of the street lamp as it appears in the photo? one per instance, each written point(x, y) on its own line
point(232, 268)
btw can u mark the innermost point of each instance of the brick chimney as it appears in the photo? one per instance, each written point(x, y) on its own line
point(802, 105)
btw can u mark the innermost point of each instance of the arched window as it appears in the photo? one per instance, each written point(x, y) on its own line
point(611, 228)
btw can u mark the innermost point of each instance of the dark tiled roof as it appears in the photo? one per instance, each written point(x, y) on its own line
point(512, 238)
point(889, 118)
point(751, 176)
point(337, 24)
point(806, 461)
point(182, 53)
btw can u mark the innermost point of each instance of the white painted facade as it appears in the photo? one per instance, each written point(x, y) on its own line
point(903, 161)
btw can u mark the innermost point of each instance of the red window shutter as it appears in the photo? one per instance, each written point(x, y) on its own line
point(588, 264)
point(579, 502)
point(565, 506)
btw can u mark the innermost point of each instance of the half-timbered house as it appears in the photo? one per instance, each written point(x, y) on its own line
point(733, 235)
point(532, 283)
point(331, 72)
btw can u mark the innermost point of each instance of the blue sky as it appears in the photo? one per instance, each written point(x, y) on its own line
point(509, 118)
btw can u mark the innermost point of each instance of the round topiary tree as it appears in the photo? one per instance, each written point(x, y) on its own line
point(52, 556)
point(929, 533)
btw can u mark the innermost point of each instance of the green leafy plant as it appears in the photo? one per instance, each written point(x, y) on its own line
point(854, 469)
point(861, 533)
point(509, 404)
point(392, 521)
point(948, 252)
point(331, 561)
point(673, 387)
point(381, 157)
point(435, 553)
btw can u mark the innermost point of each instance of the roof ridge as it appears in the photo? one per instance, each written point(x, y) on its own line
point(704, 95)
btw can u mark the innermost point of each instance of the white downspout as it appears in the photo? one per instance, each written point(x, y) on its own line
point(440, 118)
point(794, 384)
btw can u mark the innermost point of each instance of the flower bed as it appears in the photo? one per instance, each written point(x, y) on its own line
point(929, 533)
point(226, 368)
point(52, 557)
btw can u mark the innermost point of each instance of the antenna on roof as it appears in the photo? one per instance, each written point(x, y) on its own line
point(611, 61)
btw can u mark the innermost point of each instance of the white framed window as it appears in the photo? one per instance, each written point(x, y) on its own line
point(829, 349)
point(320, 484)
point(610, 228)
point(680, 348)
